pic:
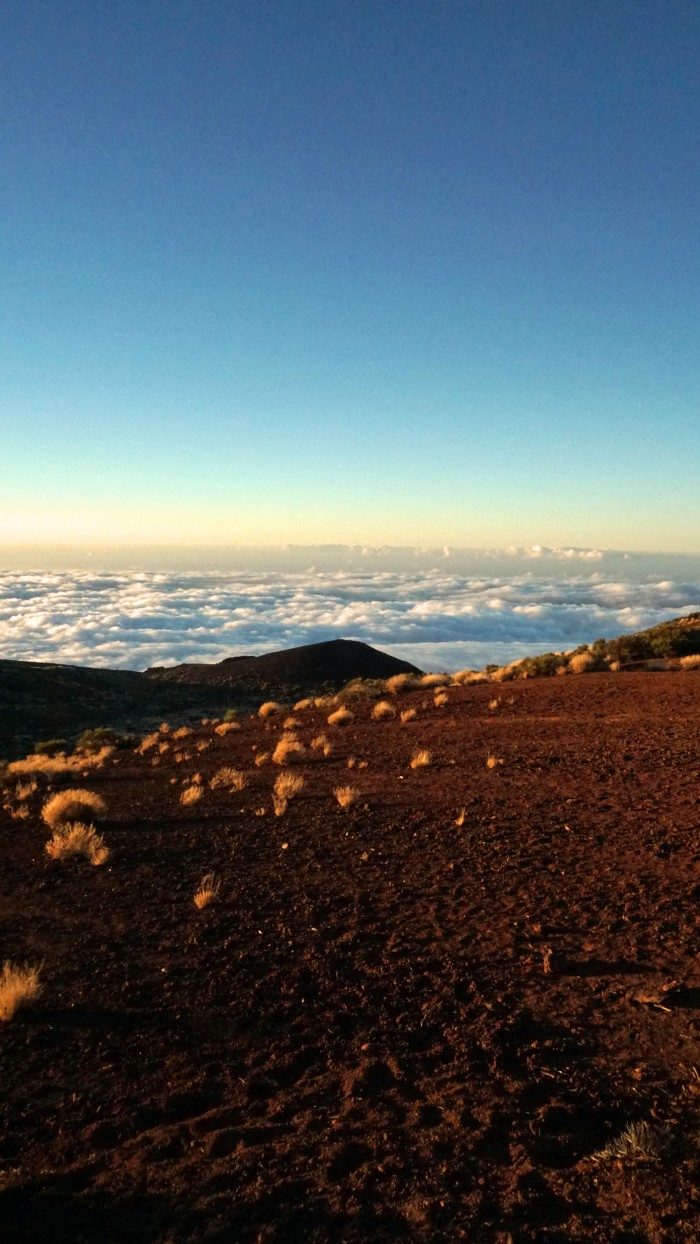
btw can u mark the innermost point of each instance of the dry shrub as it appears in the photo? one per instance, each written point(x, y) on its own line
point(321, 743)
point(287, 785)
point(408, 714)
point(262, 758)
point(420, 758)
point(20, 813)
point(203, 745)
point(461, 816)
point(434, 680)
point(401, 682)
point(163, 747)
point(226, 727)
point(351, 762)
point(23, 790)
point(290, 723)
point(76, 838)
point(18, 987)
point(269, 709)
point(302, 704)
point(149, 740)
point(59, 765)
point(190, 795)
point(182, 733)
point(691, 662)
point(341, 717)
point(289, 750)
point(581, 662)
point(506, 673)
point(208, 891)
point(561, 670)
point(493, 761)
point(383, 709)
point(232, 779)
point(615, 667)
point(346, 795)
point(494, 704)
point(72, 805)
point(279, 805)
point(441, 699)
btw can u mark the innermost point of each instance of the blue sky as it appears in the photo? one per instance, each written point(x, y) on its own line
point(377, 272)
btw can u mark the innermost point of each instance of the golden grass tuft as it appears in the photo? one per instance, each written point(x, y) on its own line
point(322, 743)
point(493, 761)
point(420, 758)
point(262, 759)
point(409, 714)
point(494, 704)
point(231, 779)
point(208, 891)
point(581, 662)
point(76, 838)
point(302, 704)
point(226, 727)
point(279, 805)
point(290, 723)
point(59, 765)
point(23, 790)
point(434, 680)
point(190, 795)
point(346, 796)
point(383, 709)
point(182, 733)
point(149, 740)
point(269, 709)
point(72, 805)
point(18, 987)
point(401, 682)
point(691, 662)
point(289, 750)
point(287, 785)
point(441, 699)
point(341, 717)
point(461, 816)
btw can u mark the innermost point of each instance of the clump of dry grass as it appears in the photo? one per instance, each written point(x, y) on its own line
point(279, 805)
point(494, 704)
point(383, 709)
point(302, 704)
point(691, 662)
point(208, 891)
point(493, 761)
point(58, 765)
point(290, 723)
point(269, 709)
point(232, 779)
point(461, 816)
point(287, 785)
point(191, 794)
point(581, 662)
point(506, 673)
point(18, 813)
point(434, 680)
point(23, 790)
point(203, 745)
point(226, 727)
point(441, 699)
point(466, 678)
point(18, 987)
point(76, 838)
point(72, 805)
point(321, 743)
point(420, 758)
point(409, 714)
point(149, 740)
point(639, 1142)
point(341, 717)
point(262, 759)
point(346, 796)
point(289, 750)
point(181, 733)
point(401, 682)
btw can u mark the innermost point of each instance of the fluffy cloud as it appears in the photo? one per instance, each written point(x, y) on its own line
point(435, 616)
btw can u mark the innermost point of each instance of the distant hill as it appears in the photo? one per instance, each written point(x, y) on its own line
point(308, 669)
point(40, 701)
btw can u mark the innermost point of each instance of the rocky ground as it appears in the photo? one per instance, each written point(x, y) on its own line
point(390, 1026)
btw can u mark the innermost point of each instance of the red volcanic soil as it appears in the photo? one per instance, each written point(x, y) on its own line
point(359, 1041)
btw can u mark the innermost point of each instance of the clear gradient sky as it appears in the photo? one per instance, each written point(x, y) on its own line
point(380, 271)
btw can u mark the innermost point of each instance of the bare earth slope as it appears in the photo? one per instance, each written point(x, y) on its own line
point(360, 1041)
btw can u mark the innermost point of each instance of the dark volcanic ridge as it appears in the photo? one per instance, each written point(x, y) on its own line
point(310, 668)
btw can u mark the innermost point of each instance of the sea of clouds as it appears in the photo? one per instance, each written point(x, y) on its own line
point(439, 609)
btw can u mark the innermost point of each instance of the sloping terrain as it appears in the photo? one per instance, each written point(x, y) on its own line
point(308, 669)
point(389, 1026)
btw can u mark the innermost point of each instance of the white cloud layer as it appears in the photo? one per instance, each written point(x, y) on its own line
point(433, 616)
